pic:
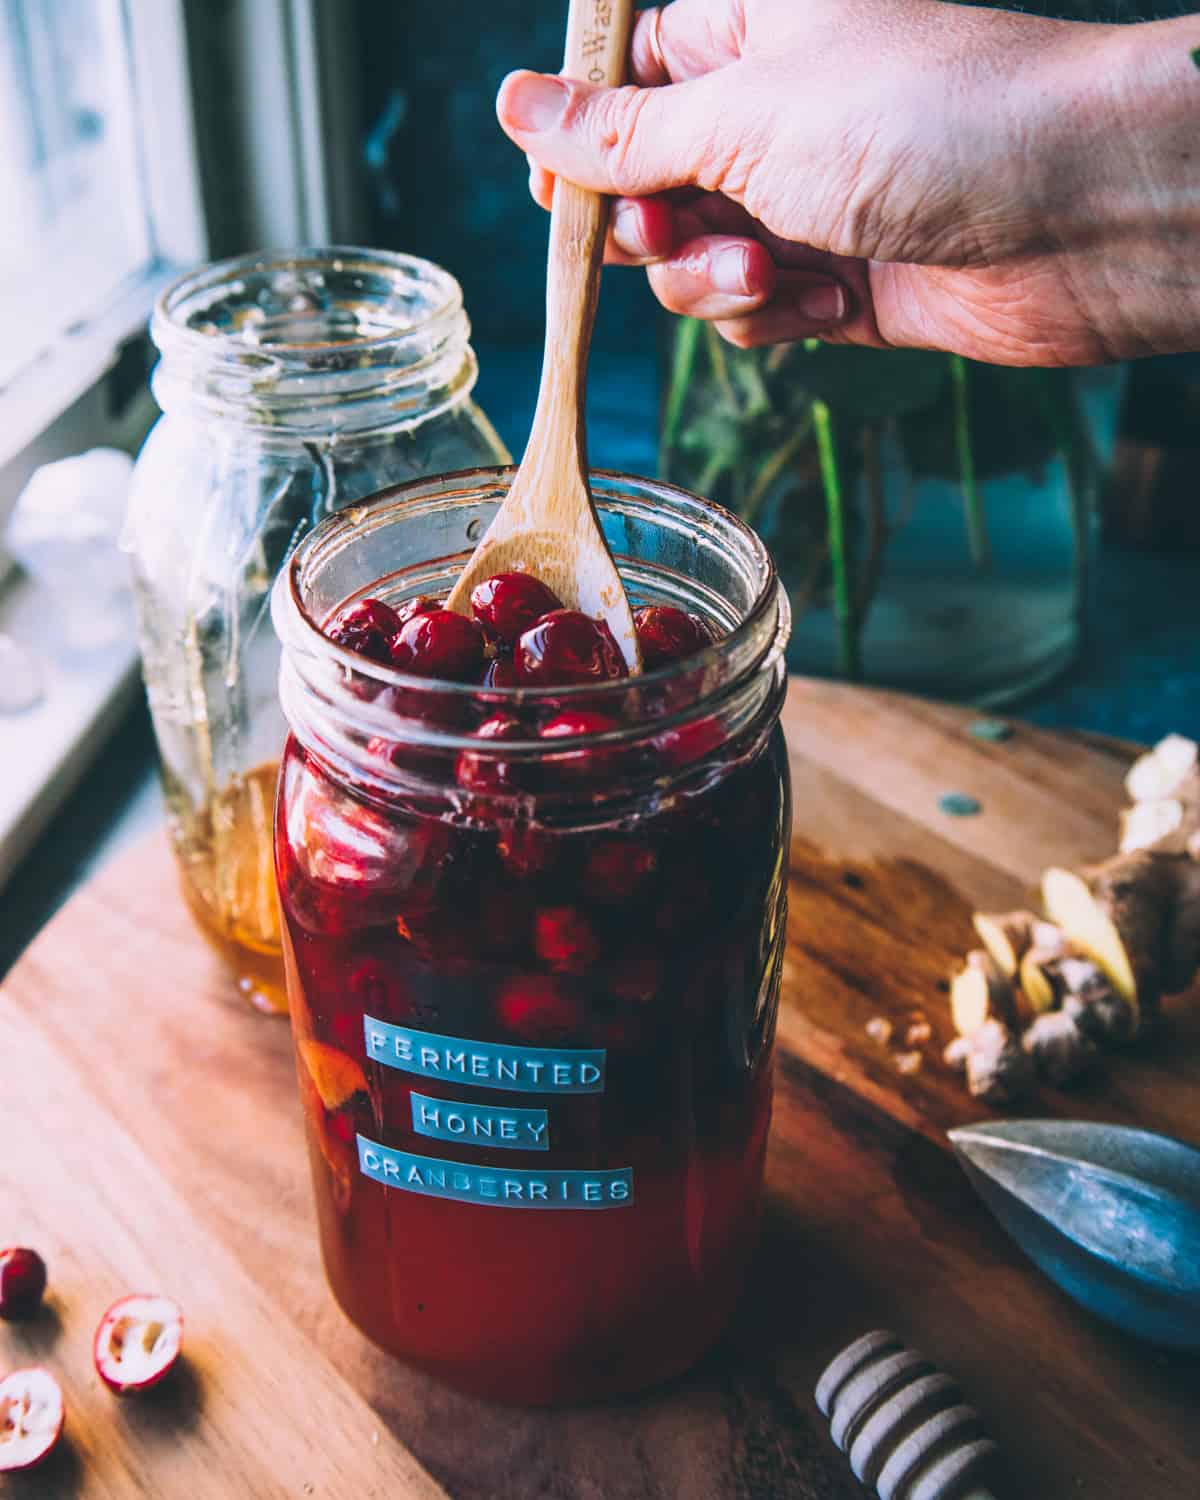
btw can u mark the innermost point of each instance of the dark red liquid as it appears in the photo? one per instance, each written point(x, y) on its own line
point(658, 942)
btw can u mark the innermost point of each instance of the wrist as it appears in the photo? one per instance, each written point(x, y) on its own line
point(1122, 196)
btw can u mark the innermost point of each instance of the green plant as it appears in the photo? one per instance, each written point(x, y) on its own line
point(792, 438)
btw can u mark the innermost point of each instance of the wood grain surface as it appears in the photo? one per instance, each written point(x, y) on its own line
point(151, 1133)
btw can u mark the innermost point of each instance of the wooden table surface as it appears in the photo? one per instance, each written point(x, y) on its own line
point(151, 1137)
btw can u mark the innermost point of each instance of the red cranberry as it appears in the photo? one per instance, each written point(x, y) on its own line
point(686, 903)
point(375, 987)
point(423, 604)
point(579, 721)
point(666, 634)
point(438, 643)
point(509, 603)
point(567, 646)
point(690, 742)
point(505, 913)
point(502, 673)
point(368, 627)
point(538, 1008)
point(616, 869)
point(637, 978)
point(526, 849)
point(565, 939)
point(482, 773)
point(22, 1282)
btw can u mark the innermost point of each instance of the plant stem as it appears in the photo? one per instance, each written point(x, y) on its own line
point(977, 536)
point(687, 336)
point(716, 354)
point(1082, 464)
point(877, 528)
point(849, 660)
point(771, 471)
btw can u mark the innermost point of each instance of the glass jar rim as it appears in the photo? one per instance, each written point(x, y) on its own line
point(197, 290)
point(752, 644)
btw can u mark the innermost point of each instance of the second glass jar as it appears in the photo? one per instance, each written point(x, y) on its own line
point(291, 386)
point(534, 980)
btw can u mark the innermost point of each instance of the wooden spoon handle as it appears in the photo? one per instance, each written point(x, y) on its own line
point(596, 51)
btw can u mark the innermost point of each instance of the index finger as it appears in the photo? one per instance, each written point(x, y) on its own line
point(686, 39)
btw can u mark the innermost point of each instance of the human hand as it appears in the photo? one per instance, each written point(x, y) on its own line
point(882, 172)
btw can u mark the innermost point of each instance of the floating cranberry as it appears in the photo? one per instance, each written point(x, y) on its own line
point(22, 1282)
point(368, 628)
point(565, 647)
point(637, 978)
point(481, 772)
point(504, 918)
point(31, 1418)
point(423, 604)
point(539, 1009)
point(509, 603)
point(438, 643)
point(571, 723)
point(666, 634)
point(690, 742)
point(565, 939)
point(526, 849)
point(616, 869)
point(502, 673)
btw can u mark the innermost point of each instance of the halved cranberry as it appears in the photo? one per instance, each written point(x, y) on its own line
point(539, 1009)
point(666, 634)
point(437, 643)
point(22, 1282)
point(481, 772)
point(508, 603)
point(690, 742)
point(31, 1418)
point(616, 869)
point(565, 939)
point(502, 673)
point(368, 627)
point(567, 646)
point(137, 1343)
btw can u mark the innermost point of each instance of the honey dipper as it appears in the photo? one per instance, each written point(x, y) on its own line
point(902, 1424)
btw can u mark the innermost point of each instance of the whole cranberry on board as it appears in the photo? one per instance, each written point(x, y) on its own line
point(565, 647)
point(31, 1418)
point(666, 634)
point(436, 643)
point(22, 1282)
point(509, 603)
point(137, 1343)
point(367, 628)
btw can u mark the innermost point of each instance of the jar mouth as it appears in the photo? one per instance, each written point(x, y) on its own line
point(753, 634)
point(292, 336)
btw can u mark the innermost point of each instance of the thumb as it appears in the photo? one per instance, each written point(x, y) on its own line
point(626, 141)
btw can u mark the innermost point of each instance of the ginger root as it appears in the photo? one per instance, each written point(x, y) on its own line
point(980, 992)
point(998, 1070)
point(1058, 1046)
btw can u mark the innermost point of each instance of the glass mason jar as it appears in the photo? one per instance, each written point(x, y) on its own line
point(932, 519)
point(533, 987)
point(291, 386)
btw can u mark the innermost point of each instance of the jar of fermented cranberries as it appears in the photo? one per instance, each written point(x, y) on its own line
point(534, 918)
point(291, 386)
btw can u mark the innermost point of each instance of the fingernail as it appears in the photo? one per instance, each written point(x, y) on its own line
point(533, 102)
point(822, 301)
point(727, 271)
point(627, 230)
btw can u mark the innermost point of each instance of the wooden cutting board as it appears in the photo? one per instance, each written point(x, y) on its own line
point(150, 1137)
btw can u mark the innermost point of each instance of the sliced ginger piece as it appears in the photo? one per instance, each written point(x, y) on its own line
point(1166, 824)
point(335, 1076)
point(1165, 771)
point(980, 992)
point(1007, 936)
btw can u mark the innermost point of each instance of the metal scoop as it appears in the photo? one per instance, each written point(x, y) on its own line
point(1109, 1213)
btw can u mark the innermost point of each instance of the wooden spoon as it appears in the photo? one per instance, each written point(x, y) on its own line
point(548, 524)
